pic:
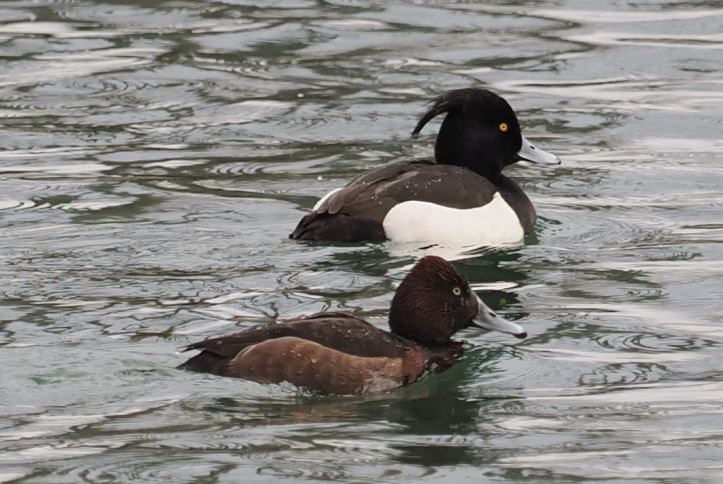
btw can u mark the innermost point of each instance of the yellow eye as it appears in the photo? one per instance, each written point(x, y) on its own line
point(456, 291)
point(503, 127)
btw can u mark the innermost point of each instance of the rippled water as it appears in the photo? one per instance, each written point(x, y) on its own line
point(155, 155)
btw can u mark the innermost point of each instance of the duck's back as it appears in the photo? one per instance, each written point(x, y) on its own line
point(419, 200)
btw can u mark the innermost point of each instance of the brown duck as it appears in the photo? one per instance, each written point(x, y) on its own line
point(338, 353)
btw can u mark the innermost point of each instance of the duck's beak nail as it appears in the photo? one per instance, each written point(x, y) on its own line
point(488, 320)
point(530, 152)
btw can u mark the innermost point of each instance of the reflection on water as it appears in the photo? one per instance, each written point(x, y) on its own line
point(155, 156)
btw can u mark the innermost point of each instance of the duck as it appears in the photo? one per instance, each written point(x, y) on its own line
point(459, 197)
point(339, 353)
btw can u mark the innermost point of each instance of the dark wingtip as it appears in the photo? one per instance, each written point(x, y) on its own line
point(301, 227)
point(198, 345)
point(521, 335)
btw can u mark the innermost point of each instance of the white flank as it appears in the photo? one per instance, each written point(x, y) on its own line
point(492, 224)
point(324, 198)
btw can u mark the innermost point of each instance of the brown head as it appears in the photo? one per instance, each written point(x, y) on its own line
point(434, 301)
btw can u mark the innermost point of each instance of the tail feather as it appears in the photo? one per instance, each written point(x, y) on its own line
point(205, 362)
point(338, 227)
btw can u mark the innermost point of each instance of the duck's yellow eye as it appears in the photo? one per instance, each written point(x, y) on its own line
point(456, 291)
point(503, 127)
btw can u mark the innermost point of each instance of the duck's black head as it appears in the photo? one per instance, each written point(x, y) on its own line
point(434, 301)
point(480, 132)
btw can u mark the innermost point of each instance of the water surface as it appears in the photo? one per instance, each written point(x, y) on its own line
point(156, 154)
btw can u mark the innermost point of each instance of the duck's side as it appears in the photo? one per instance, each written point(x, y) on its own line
point(420, 200)
point(327, 352)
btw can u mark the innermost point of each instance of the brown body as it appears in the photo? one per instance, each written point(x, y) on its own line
point(336, 352)
point(312, 365)
point(326, 352)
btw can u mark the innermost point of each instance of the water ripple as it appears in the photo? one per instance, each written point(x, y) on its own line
point(155, 157)
point(54, 67)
